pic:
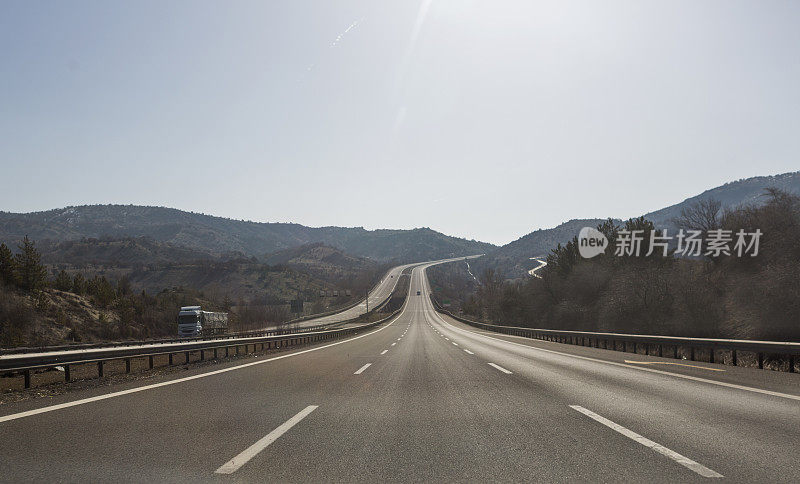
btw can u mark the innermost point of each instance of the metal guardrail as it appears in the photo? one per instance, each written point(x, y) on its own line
point(781, 356)
point(114, 344)
point(27, 363)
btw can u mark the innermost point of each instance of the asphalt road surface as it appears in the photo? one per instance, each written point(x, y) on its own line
point(376, 296)
point(423, 398)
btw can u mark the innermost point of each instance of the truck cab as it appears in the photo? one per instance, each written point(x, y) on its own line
point(189, 322)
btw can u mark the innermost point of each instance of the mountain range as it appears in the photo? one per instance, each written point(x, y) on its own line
point(513, 260)
point(130, 234)
point(217, 236)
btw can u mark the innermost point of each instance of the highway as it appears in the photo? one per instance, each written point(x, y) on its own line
point(421, 398)
point(376, 296)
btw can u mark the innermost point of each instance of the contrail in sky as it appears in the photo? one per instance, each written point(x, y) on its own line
point(335, 43)
point(351, 27)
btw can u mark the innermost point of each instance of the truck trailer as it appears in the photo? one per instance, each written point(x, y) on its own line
point(194, 322)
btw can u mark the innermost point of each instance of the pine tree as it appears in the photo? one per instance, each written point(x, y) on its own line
point(63, 282)
point(31, 274)
point(79, 284)
point(7, 264)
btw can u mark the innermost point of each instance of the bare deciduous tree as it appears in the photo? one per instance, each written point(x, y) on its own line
point(702, 215)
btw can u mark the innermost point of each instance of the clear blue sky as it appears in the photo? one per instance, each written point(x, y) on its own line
point(479, 119)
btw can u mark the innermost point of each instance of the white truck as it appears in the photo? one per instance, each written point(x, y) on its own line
point(194, 322)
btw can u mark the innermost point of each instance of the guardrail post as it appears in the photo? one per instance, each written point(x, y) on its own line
point(127, 365)
point(760, 361)
point(150, 362)
point(215, 353)
point(27, 374)
point(170, 359)
point(100, 368)
point(67, 373)
point(187, 357)
point(202, 355)
point(226, 351)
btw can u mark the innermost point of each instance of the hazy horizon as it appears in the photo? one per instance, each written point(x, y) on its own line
point(483, 122)
point(189, 210)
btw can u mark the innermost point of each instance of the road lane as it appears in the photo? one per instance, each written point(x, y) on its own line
point(707, 422)
point(425, 410)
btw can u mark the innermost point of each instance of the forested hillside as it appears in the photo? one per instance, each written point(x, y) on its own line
point(93, 290)
point(513, 260)
point(220, 236)
point(717, 295)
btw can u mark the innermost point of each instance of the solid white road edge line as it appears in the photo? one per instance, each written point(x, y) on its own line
point(500, 368)
point(234, 464)
point(83, 401)
point(361, 370)
point(684, 461)
point(614, 363)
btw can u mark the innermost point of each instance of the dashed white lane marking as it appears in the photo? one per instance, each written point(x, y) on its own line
point(361, 370)
point(500, 368)
point(384, 352)
point(614, 363)
point(394, 343)
point(684, 461)
point(234, 464)
point(456, 344)
point(51, 408)
point(398, 339)
point(468, 352)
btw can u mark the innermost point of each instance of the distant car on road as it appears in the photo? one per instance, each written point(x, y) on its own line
point(418, 293)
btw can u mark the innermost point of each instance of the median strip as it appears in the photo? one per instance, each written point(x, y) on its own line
point(684, 461)
point(234, 464)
